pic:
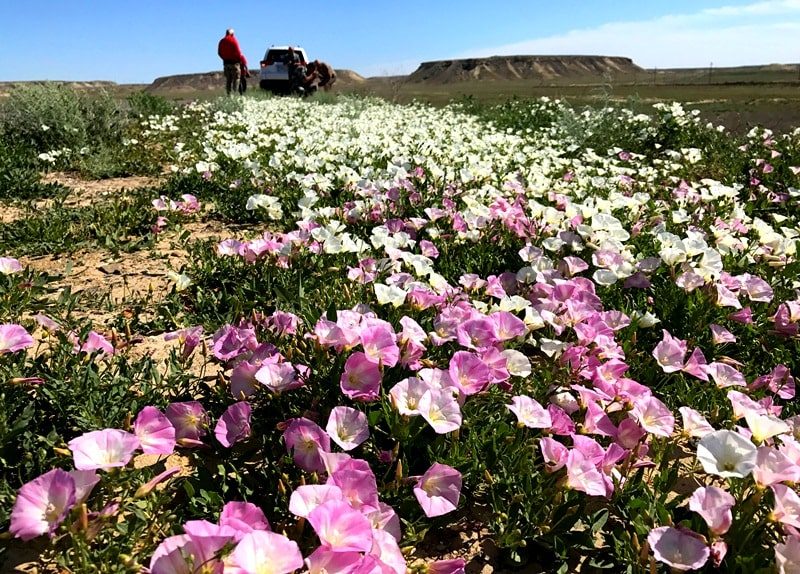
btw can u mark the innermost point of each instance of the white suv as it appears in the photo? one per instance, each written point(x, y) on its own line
point(274, 74)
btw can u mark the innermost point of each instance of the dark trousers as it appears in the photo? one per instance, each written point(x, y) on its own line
point(242, 85)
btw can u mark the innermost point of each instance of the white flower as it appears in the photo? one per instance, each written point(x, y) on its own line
point(517, 364)
point(182, 282)
point(389, 294)
point(764, 426)
point(727, 454)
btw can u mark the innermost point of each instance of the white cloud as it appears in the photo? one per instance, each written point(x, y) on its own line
point(757, 33)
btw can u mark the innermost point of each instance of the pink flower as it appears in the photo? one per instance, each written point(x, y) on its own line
point(780, 381)
point(669, 353)
point(530, 413)
point(554, 453)
point(725, 375)
point(428, 249)
point(583, 475)
point(742, 404)
point(304, 441)
point(682, 549)
point(85, 481)
point(744, 316)
point(787, 555)
point(189, 338)
point(654, 416)
point(103, 449)
point(234, 424)
point(385, 518)
point(155, 433)
point(325, 561)
point(9, 265)
point(438, 490)
point(283, 323)
point(193, 552)
point(347, 427)
point(757, 289)
point(773, 466)
point(262, 551)
point(148, 486)
point(694, 424)
point(379, 343)
point(361, 379)
point(696, 365)
point(787, 505)
point(230, 341)
point(727, 298)
point(14, 338)
point(243, 379)
point(278, 377)
point(340, 528)
point(764, 426)
point(406, 395)
point(597, 420)
point(629, 433)
point(477, 333)
point(42, 505)
point(47, 323)
point(468, 372)
point(714, 505)
point(720, 335)
point(453, 566)
point(387, 552)
point(357, 482)
point(190, 421)
point(96, 342)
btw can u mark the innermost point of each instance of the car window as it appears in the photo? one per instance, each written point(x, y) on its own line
point(276, 55)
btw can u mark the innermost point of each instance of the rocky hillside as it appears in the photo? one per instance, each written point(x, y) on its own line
point(522, 68)
point(6, 87)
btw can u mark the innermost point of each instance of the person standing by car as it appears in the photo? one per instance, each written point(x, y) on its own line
point(231, 55)
point(325, 74)
point(244, 73)
point(293, 62)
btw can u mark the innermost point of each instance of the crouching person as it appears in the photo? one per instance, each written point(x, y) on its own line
point(326, 75)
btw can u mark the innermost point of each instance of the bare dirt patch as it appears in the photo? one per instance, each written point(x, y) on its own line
point(107, 278)
point(11, 213)
point(84, 192)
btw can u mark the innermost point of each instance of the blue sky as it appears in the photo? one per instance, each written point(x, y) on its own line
point(135, 42)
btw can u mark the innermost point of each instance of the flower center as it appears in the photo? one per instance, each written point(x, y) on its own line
point(51, 512)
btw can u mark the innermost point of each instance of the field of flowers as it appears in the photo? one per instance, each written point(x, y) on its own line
point(377, 338)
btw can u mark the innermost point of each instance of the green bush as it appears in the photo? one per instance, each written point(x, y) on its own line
point(19, 175)
point(47, 117)
point(143, 104)
point(84, 132)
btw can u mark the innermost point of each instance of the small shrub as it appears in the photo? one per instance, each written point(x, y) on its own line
point(143, 104)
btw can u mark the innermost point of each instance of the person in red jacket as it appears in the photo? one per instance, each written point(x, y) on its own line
point(228, 50)
point(244, 74)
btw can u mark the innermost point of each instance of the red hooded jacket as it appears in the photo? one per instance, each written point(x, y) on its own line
point(229, 51)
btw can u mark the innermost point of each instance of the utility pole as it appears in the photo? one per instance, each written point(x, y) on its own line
point(710, 68)
point(655, 71)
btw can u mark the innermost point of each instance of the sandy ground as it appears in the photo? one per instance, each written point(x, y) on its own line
point(82, 193)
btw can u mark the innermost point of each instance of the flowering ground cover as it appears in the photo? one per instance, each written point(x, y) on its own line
point(378, 338)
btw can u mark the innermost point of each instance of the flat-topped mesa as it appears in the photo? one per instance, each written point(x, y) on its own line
point(522, 68)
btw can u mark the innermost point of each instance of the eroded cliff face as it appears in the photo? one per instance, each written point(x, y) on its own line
point(522, 68)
